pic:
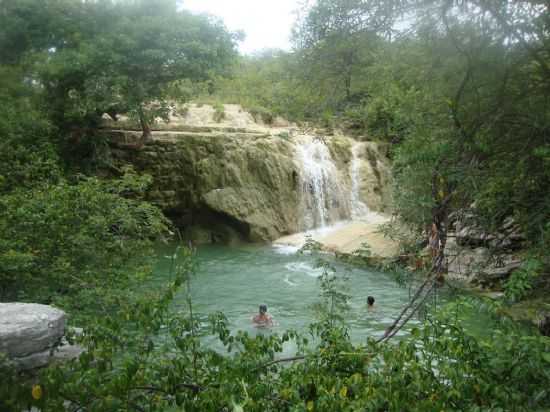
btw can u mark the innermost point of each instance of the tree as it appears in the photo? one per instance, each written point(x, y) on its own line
point(331, 39)
point(27, 153)
point(458, 86)
point(114, 57)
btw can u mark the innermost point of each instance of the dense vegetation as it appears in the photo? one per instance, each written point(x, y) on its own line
point(64, 64)
point(439, 367)
point(459, 89)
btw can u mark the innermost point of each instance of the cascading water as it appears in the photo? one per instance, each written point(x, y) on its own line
point(359, 209)
point(332, 193)
point(323, 196)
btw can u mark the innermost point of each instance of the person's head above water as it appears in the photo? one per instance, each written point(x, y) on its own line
point(262, 319)
point(370, 301)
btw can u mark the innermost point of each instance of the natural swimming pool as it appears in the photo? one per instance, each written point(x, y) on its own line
point(237, 279)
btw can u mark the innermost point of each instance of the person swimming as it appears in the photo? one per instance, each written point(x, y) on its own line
point(262, 319)
point(370, 303)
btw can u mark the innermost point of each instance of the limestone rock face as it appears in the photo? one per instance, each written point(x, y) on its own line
point(250, 206)
point(29, 328)
point(375, 177)
point(469, 234)
point(479, 266)
point(231, 185)
point(235, 179)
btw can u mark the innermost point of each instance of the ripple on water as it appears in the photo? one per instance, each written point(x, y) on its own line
point(285, 249)
point(288, 281)
point(305, 268)
point(235, 280)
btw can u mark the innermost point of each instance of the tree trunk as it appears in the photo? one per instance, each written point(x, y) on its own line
point(348, 68)
point(440, 214)
point(146, 130)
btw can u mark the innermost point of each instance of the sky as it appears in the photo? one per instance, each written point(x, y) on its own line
point(266, 23)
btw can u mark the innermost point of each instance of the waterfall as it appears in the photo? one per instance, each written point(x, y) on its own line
point(322, 191)
point(358, 208)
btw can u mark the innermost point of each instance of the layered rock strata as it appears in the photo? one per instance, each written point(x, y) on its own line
point(230, 179)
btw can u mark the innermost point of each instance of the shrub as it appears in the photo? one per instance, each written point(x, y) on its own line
point(60, 241)
point(260, 113)
point(219, 112)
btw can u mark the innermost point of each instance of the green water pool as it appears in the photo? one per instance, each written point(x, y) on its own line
point(236, 280)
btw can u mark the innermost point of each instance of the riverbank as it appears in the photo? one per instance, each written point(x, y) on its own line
point(348, 237)
point(345, 238)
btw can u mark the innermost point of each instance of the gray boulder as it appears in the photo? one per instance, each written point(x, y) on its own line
point(480, 265)
point(32, 335)
point(28, 328)
point(40, 359)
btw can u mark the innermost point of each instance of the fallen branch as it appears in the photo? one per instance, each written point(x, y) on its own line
point(397, 325)
point(408, 306)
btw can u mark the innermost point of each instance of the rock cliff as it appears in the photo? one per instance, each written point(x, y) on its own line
point(225, 177)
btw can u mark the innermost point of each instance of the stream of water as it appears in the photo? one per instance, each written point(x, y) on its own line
point(323, 192)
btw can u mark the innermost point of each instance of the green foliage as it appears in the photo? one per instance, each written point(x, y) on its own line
point(144, 356)
point(27, 155)
point(219, 112)
point(118, 57)
point(284, 135)
point(266, 86)
point(521, 281)
point(64, 241)
point(468, 135)
point(261, 114)
point(310, 246)
point(334, 295)
point(68, 239)
point(463, 96)
point(363, 252)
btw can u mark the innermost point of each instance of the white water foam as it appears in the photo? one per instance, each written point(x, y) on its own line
point(304, 268)
point(321, 188)
point(283, 249)
point(288, 281)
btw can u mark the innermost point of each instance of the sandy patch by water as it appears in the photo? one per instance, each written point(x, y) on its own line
point(346, 237)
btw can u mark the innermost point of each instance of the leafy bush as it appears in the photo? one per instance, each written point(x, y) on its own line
point(284, 135)
point(27, 155)
point(219, 112)
point(521, 280)
point(61, 241)
point(261, 113)
point(440, 366)
point(363, 252)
